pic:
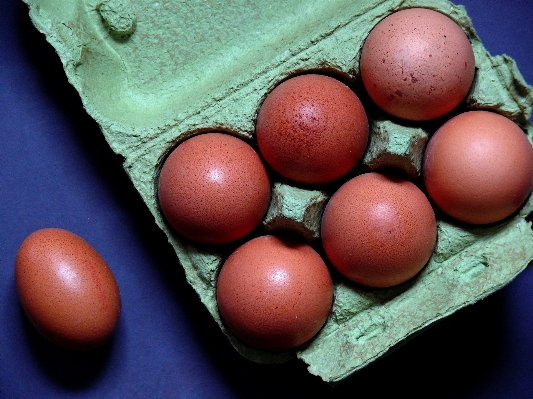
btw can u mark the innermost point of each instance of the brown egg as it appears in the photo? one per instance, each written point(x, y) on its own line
point(312, 129)
point(417, 64)
point(478, 167)
point(378, 230)
point(214, 188)
point(274, 293)
point(66, 289)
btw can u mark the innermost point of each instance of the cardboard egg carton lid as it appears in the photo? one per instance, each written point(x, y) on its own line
point(154, 73)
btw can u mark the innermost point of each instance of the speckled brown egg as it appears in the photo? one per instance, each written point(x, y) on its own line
point(378, 230)
point(478, 167)
point(312, 129)
point(214, 188)
point(274, 293)
point(67, 290)
point(417, 64)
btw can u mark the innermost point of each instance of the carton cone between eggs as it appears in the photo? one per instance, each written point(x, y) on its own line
point(154, 73)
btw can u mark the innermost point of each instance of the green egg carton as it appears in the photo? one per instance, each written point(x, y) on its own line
point(153, 73)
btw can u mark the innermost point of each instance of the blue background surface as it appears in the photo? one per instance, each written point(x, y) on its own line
point(57, 170)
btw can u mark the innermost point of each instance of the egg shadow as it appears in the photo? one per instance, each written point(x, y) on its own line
point(451, 358)
point(70, 369)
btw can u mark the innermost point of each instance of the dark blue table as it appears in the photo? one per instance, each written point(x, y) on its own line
point(57, 170)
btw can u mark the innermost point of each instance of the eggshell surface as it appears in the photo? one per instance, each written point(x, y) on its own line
point(378, 230)
point(67, 289)
point(312, 129)
point(478, 167)
point(417, 64)
point(274, 293)
point(214, 188)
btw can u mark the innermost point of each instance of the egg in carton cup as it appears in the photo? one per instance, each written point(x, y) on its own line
point(153, 74)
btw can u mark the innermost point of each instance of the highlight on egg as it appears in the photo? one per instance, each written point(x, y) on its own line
point(67, 290)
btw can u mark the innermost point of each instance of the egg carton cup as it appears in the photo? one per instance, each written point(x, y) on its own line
point(153, 73)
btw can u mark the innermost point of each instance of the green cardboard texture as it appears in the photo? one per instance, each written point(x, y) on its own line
point(154, 73)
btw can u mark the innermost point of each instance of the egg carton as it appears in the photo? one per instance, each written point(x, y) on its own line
point(154, 73)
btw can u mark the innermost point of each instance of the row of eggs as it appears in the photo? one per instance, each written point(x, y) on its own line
point(379, 230)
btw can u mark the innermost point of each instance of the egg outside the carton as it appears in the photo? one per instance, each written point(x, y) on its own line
point(478, 167)
point(378, 230)
point(417, 64)
point(67, 289)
